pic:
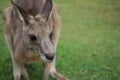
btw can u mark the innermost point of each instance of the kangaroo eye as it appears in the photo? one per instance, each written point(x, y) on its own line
point(51, 35)
point(32, 38)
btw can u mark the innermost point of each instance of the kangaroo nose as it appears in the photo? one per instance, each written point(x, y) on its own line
point(49, 57)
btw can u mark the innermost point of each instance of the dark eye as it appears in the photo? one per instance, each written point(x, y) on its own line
point(32, 38)
point(51, 35)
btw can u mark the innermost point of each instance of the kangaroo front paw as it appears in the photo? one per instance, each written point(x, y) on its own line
point(63, 78)
point(58, 76)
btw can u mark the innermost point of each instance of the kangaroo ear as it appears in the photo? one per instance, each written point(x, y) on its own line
point(23, 15)
point(47, 8)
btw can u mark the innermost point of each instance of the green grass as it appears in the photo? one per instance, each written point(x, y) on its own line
point(89, 45)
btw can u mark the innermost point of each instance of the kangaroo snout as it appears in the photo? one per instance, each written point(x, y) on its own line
point(48, 50)
point(49, 57)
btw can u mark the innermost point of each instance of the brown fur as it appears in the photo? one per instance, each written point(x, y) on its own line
point(14, 37)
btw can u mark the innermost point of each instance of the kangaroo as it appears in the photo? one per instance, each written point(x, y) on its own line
point(32, 29)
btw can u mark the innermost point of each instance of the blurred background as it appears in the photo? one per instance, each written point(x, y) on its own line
point(89, 44)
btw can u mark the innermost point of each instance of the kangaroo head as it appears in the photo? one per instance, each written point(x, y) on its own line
point(36, 33)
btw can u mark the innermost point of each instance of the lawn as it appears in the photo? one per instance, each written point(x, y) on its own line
point(89, 44)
